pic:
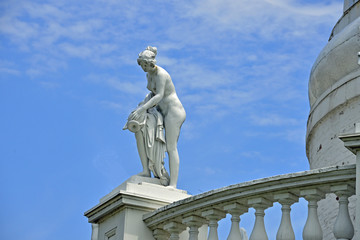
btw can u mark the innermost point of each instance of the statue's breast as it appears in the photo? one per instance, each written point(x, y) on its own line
point(151, 86)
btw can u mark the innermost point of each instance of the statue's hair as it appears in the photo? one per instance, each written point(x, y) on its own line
point(148, 55)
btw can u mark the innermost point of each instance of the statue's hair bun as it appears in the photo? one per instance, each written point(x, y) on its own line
point(148, 55)
point(152, 49)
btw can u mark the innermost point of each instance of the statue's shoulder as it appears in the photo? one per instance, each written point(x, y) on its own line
point(162, 72)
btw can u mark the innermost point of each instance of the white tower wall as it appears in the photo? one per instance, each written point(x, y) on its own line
point(334, 94)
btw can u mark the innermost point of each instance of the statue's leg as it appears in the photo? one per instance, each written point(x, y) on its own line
point(174, 162)
point(141, 149)
point(172, 132)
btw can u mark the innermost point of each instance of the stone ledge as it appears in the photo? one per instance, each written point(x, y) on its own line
point(292, 182)
point(147, 187)
point(136, 192)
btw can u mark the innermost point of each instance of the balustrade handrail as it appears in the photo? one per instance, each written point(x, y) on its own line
point(321, 179)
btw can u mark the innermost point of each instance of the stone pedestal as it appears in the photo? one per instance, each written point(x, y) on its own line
point(119, 214)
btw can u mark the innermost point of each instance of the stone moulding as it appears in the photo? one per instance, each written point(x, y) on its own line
point(142, 193)
point(336, 60)
point(123, 208)
point(351, 142)
point(293, 183)
point(340, 93)
point(119, 201)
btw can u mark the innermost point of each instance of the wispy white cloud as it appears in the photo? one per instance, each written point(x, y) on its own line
point(7, 67)
point(294, 134)
point(46, 11)
point(268, 19)
point(189, 130)
point(314, 9)
point(125, 86)
point(239, 67)
point(76, 51)
point(9, 71)
point(255, 156)
point(224, 56)
point(80, 31)
point(273, 120)
point(112, 105)
point(50, 85)
point(41, 63)
point(18, 31)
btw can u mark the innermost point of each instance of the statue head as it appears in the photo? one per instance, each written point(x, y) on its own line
point(147, 58)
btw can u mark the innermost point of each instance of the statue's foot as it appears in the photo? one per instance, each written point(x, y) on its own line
point(144, 174)
point(164, 181)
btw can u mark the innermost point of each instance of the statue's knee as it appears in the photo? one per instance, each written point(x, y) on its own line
point(171, 149)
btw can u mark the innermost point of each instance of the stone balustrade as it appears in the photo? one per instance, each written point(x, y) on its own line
point(208, 208)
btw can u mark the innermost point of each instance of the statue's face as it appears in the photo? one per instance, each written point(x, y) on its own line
point(147, 67)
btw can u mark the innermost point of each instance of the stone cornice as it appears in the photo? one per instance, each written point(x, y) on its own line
point(294, 182)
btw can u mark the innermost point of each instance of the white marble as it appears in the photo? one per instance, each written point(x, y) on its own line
point(260, 194)
point(334, 96)
point(146, 186)
point(120, 213)
point(160, 111)
point(352, 142)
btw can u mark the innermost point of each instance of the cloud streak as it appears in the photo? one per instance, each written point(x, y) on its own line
point(224, 56)
point(273, 120)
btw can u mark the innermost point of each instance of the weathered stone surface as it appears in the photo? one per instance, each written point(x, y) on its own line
point(265, 187)
point(120, 213)
point(334, 94)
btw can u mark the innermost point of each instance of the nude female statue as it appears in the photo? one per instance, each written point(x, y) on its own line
point(162, 97)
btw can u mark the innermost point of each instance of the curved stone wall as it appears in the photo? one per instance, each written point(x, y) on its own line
point(334, 95)
point(337, 60)
point(334, 90)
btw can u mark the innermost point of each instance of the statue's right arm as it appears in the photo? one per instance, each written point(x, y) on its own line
point(146, 99)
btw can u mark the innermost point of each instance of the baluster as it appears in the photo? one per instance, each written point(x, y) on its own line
point(174, 228)
point(160, 234)
point(193, 222)
point(312, 229)
point(352, 142)
point(236, 210)
point(286, 231)
point(95, 231)
point(213, 216)
point(260, 204)
point(343, 227)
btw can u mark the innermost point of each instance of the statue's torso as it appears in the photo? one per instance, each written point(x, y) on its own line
point(170, 100)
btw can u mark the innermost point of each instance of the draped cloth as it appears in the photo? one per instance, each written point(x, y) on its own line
point(151, 125)
point(155, 145)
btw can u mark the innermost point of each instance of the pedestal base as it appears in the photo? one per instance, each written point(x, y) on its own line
point(119, 214)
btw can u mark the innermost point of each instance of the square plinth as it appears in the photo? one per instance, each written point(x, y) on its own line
point(119, 214)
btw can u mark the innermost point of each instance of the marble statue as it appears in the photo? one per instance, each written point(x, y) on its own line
point(161, 110)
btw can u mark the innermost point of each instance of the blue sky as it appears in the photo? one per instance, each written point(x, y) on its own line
point(69, 78)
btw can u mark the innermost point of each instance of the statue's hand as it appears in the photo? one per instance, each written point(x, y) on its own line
point(136, 115)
